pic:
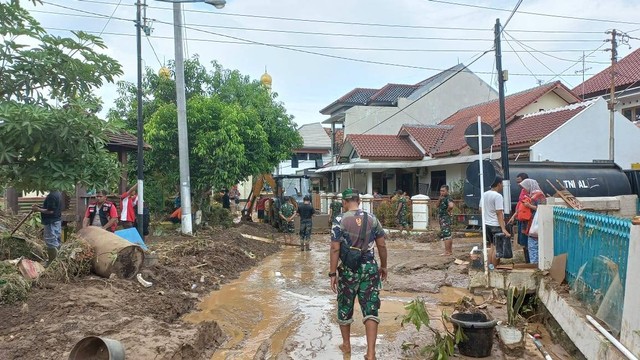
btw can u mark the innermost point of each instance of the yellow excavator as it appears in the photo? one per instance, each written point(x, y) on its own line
point(277, 188)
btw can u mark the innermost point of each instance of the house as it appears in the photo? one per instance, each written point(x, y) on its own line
point(627, 86)
point(383, 111)
point(420, 158)
point(583, 138)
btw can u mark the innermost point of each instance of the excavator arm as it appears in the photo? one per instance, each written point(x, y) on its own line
point(258, 185)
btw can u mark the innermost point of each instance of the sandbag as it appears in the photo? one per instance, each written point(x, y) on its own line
point(113, 254)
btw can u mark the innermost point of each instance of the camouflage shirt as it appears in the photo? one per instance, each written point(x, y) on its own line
point(336, 209)
point(286, 209)
point(347, 226)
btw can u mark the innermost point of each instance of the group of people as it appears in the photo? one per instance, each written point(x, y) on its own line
point(102, 213)
point(287, 214)
point(492, 208)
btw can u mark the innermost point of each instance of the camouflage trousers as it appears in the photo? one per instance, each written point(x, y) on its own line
point(402, 219)
point(445, 227)
point(288, 227)
point(365, 284)
point(305, 232)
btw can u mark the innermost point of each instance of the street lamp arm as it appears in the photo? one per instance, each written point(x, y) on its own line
point(219, 4)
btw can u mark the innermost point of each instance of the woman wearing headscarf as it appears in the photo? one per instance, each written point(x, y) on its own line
point(522, 237)
point(534, 197)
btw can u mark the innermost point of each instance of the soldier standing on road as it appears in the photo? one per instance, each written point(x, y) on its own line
point(445, 206)
point(306, 212)
point(401, 211)
point(365, 282)
point(287, 214)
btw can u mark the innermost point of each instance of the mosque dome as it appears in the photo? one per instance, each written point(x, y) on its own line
point(266, 79)
point(164, 72)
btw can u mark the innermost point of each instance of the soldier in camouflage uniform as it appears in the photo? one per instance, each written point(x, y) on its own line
point(365, 283)
point(402, 211)
point(445, 206)
point(287, 214)
point(335, 209)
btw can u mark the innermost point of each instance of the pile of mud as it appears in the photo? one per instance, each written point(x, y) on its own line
point(146, 320)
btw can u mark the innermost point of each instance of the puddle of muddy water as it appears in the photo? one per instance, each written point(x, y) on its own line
point(284, 309)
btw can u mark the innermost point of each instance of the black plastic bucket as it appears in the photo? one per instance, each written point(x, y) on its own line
point(478, 332)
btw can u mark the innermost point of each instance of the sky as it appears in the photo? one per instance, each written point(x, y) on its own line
point(432, 36)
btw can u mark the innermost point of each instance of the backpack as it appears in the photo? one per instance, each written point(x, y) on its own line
point(351, 254)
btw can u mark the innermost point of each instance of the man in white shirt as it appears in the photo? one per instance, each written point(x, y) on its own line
point(492, 208)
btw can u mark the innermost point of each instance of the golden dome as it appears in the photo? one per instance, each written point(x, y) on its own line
point(164, 72)
point(266, 79)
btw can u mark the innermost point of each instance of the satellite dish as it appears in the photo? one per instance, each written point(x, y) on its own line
point(471, 136)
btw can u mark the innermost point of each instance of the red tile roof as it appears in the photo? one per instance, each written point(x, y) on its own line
point(531, 128)
point(490, 113)
point(627, 73)
point(384, 146)
point(428, 136)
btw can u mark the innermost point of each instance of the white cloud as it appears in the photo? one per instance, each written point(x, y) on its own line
point(306, 83)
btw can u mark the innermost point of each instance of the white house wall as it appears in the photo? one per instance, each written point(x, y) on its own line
point(586, 138)
point(547, 102)
point(463, 90)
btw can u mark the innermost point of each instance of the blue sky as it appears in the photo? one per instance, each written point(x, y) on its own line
point(307, 82)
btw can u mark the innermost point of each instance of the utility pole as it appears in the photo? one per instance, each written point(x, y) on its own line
point(583, 72)
point(612, 96)
point(140, 145)
point(183, 140)
point(504, 149)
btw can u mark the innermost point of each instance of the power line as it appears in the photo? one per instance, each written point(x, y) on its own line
point(372, 36)
point(521, 61)
point(536, 14)
point(525, 47)
point(292, 49)
point(335, 22)
point(154, 51)
point(538, 60)
point(511, 16)
point(110, 17)
point(332, 47)
point(576, 63)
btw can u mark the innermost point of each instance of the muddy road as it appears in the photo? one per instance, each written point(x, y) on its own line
point(284, 308)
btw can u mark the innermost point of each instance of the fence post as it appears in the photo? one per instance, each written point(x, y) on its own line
point(545, 236)
point(366, 202)
point(323, 202)
point(420, 210)
point(630, 329)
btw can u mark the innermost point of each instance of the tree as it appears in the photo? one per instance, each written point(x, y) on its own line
point(50, 135)
point(236, 127)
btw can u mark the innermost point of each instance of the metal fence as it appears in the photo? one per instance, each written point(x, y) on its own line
point(597, 248)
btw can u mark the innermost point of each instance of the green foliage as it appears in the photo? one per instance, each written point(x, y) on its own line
point(216, 215)
point(236, 128)
point(456, 190)
point(47, 146)
point(386, 213)
point(515, 299)
point(444, 343)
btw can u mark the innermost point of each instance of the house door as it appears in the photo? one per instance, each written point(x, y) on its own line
point(406, 183)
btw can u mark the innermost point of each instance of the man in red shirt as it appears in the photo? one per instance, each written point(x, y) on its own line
point(260, 206)
point(101, 213)
point(128, 200)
